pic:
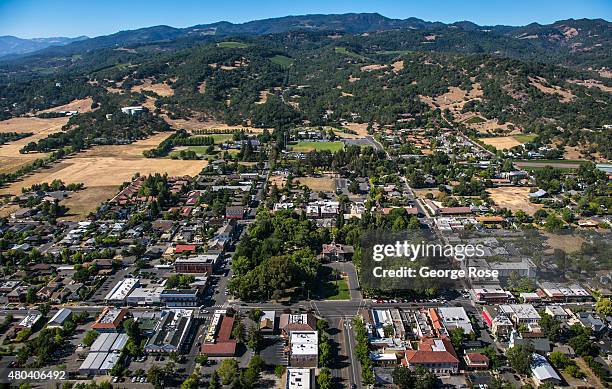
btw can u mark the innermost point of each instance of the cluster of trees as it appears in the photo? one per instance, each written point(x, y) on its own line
point(53, 186)
point(362, 350)
point(166, 145)
point(406, 378)
point(94, 128)
point(276, 255)
point(6, 137)
point(228, 373)
point(326, 356)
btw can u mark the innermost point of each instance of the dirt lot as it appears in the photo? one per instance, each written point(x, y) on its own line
point(102, 169)
point(277, 180)
point(160, 88)
point(513, 198)
point(397, 66)
point(82, 105)
point(317, 184)
point(195, 124)
point(421, 193)
point(10, 158)
point(502, 142)
point(565, 242)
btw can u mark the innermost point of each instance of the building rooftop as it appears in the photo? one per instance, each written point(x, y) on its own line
point(299, 378)
point(304, 342)
point(122, 289)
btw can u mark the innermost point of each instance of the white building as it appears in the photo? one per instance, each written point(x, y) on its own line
point(299, 379)
point(132, 110)
point(118, 294)
point(145, 296)
point(455, 317)
point(521, 313)
point(304, 346)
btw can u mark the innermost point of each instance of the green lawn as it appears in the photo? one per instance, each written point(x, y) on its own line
point(232, 45)
point(343, 50)
point(282, 60)
point(334, 290)
point(221, 138)
point(318, 146)
point(524, 138)
point(200, 150)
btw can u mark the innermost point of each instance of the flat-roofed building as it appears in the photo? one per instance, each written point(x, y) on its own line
point(180, 298)
point(171, 332)
point(118, 294)
point(30, 320)
point(521, 313)
point(299, 379)
point(145, 296)
point(203, 263)
point(455, 317)
point(304, 348)
point(218, 340)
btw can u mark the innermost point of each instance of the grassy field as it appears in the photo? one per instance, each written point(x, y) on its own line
point(318, 146)
point(334, 290)
point(232, 45)
point(221, 138)
point(281, 60)
point(524, 138)
point(343, 50)
point(200, 150)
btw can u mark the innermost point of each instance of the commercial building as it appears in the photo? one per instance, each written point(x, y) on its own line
point(204, 263)
point(299, 379)
point(171, 332)
point(30, 320)
point(98, 363)
point(145, 296)
point(455, 317)
point(435, 354)
point(304, 348)
point(218, 340)
point(118, 294)
point(109, 342)
point(178, 298)
point(110, 320)
point(521, 313)
point(297, 322)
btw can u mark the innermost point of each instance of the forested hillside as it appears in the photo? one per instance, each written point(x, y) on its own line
point(502, 79)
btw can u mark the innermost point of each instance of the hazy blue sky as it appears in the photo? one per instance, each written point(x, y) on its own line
point(43, 18)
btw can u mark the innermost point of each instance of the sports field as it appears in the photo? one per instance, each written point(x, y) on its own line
point(318, 146)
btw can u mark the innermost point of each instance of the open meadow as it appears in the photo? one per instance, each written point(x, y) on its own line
point(10, 158)
point(102, 169)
